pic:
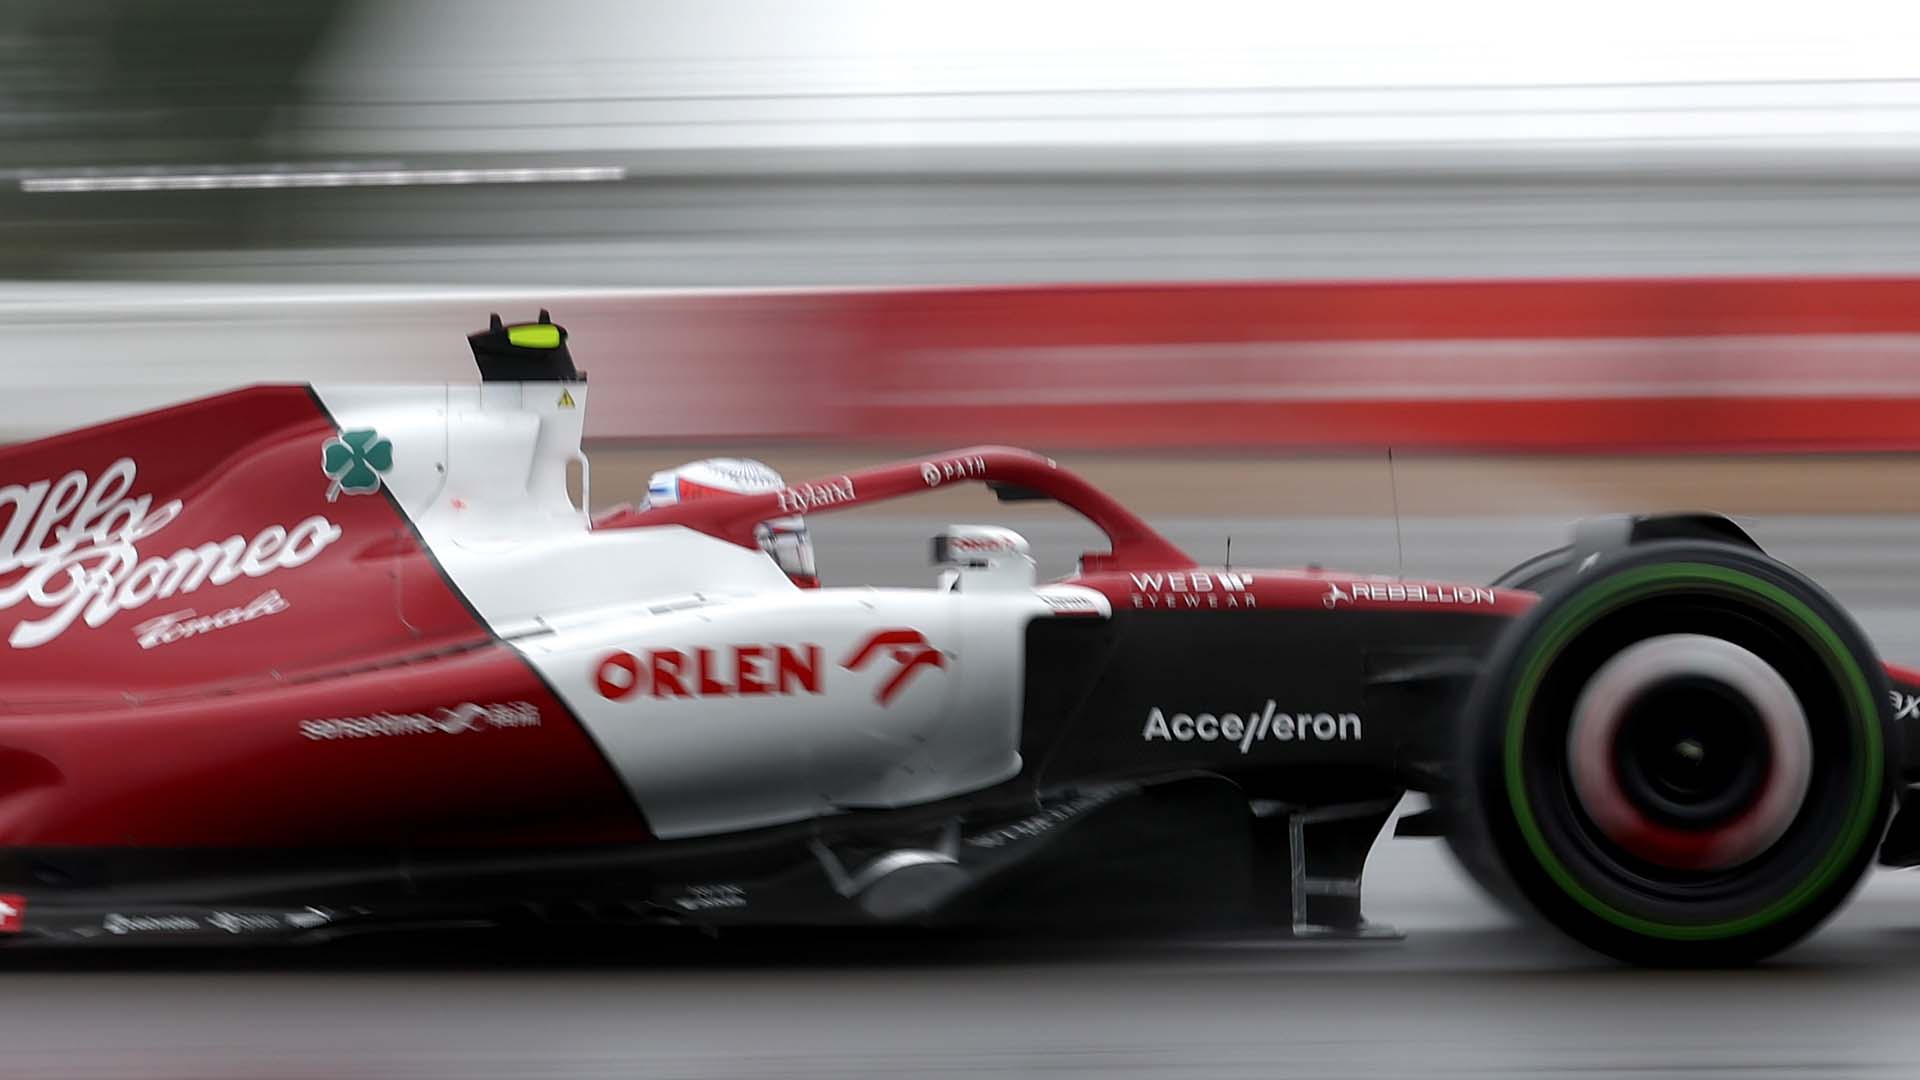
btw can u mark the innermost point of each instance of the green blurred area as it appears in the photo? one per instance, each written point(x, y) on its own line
point(839, 143)
point(141, 83)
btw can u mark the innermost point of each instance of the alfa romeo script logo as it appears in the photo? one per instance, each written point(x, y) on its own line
point(355, 460)
point(82, 549)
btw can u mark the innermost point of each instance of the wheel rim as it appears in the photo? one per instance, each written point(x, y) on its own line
point(1690, 752)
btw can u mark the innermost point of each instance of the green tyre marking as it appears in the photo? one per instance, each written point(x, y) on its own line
point(1632, 585)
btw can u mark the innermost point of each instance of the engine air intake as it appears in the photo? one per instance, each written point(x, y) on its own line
point(524, 352)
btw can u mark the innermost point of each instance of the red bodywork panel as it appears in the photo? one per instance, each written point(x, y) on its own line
point(383, 759)
point(1271, 590)
point(114, 733)
point(238, 464)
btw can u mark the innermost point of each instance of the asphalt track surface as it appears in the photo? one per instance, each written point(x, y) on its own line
point(1468, 993)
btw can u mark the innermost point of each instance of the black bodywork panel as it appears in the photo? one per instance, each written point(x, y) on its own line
point(1302, 706)
point(1901, 846)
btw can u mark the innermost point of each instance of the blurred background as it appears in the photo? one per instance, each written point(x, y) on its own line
point(1229, 231)
point(1221, 255)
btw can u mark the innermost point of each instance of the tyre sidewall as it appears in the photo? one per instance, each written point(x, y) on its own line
point(1497, 838)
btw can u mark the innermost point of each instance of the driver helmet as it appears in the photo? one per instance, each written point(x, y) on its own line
point(784, 539)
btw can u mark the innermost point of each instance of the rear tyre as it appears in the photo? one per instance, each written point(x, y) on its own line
point(1680, 757)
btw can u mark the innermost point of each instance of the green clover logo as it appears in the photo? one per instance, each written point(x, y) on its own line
point(355, 461)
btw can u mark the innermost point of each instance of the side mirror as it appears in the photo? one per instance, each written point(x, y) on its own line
point(979, 558)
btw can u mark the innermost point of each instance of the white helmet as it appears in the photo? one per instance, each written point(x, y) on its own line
point(785, 539)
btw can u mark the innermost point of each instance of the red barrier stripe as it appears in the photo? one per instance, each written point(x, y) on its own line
point(1867, 365)
point(1687, 365)
point(1650, 307)
point(1615, 425)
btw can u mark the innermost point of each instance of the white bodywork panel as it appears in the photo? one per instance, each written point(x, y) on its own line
point(712, 734)
point(482, 473)
point(719, 759)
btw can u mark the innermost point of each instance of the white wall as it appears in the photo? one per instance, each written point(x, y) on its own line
point(493, 75)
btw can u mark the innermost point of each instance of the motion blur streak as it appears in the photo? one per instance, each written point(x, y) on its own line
point(1218, 255)
point(1467, 996)
point(293, 178)
point(1626, 365)
point(859, 142)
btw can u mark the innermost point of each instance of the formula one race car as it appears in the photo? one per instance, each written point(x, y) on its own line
point(291, 662)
